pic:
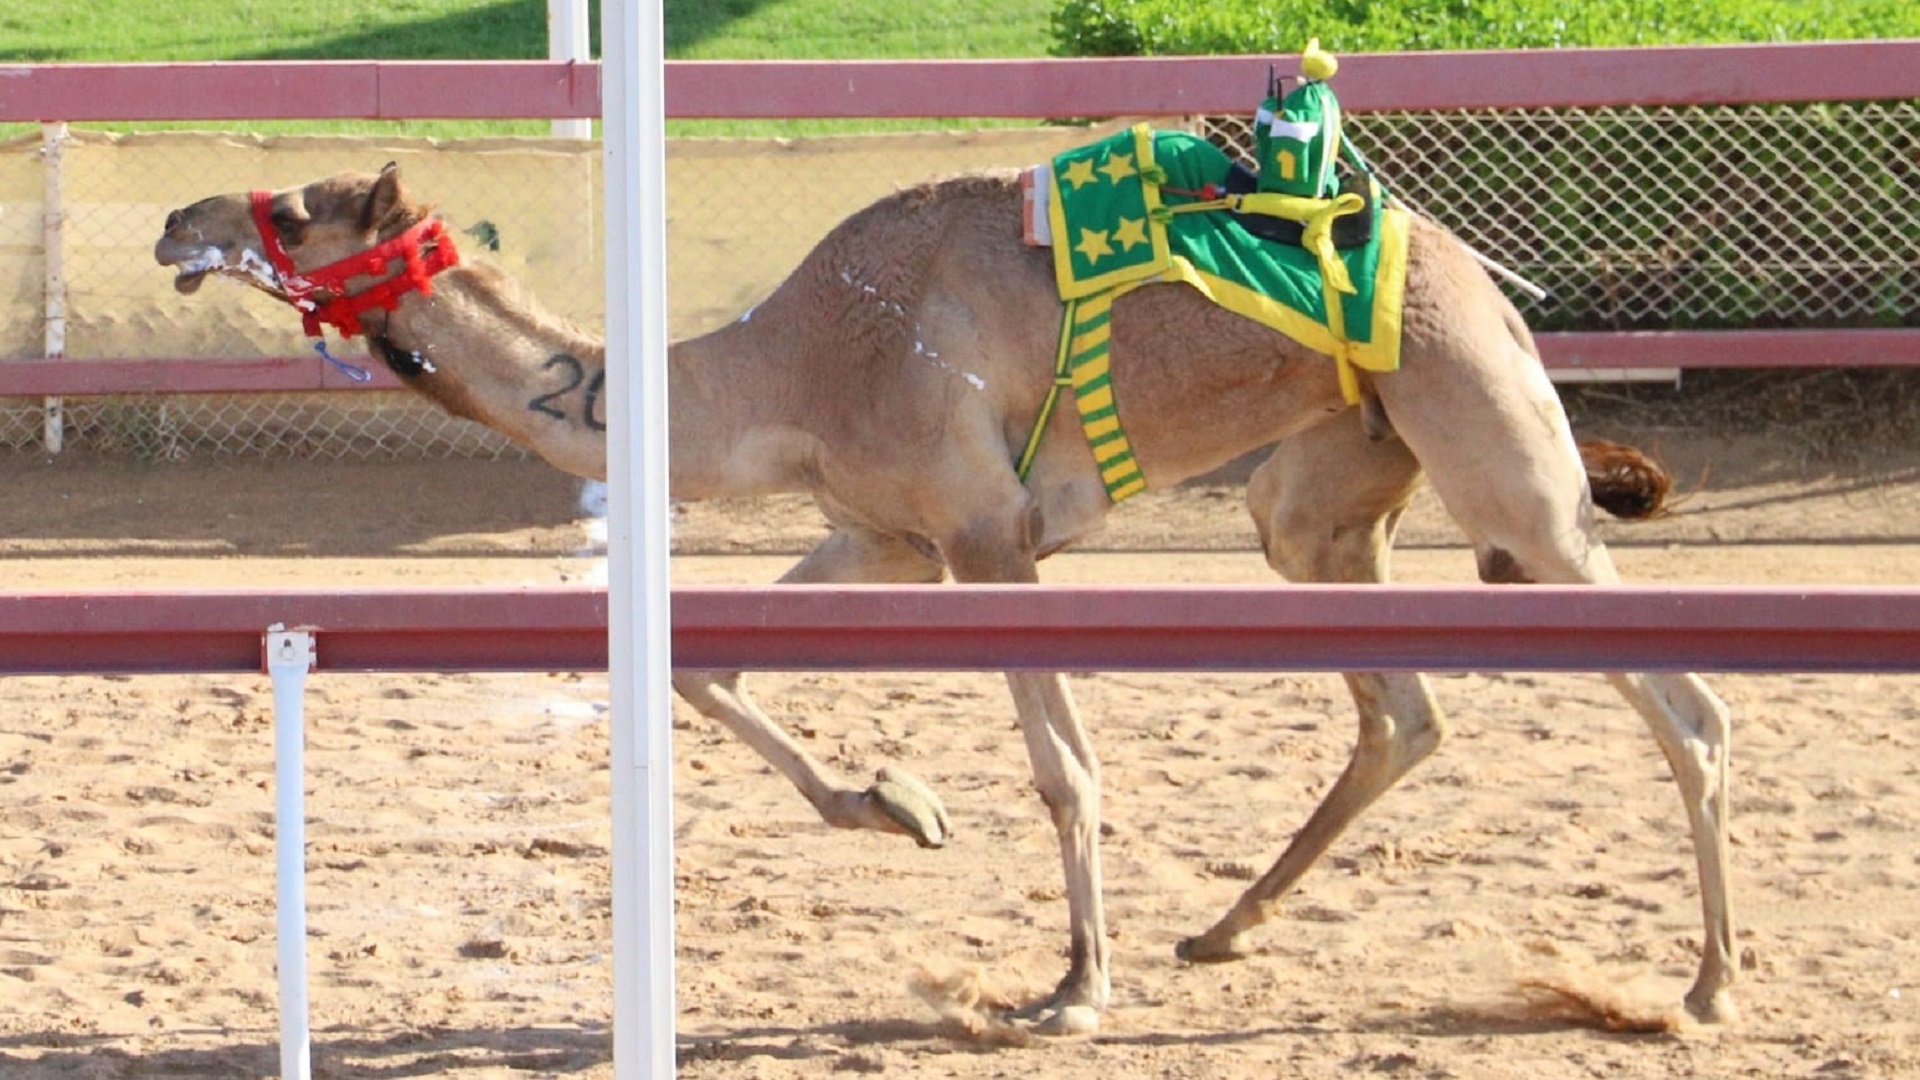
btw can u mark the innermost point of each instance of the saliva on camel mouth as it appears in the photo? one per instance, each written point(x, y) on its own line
point(193, 270)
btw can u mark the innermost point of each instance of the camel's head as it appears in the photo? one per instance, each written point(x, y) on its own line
point(318, 224)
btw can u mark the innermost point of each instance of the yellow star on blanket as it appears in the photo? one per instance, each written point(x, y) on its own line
point(1132, 231)
point(1093, 244)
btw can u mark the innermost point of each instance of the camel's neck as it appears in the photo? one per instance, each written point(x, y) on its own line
point(482, 349)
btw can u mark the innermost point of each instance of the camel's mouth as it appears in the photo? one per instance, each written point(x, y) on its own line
point(194, 266)
point(192, 263)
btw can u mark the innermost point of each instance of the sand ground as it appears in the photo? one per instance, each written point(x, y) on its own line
point(459, 824)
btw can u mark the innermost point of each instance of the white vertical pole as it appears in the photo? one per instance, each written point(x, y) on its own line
point(633, 123)
point(567, 39)
point(290, 655)
point(53, 229)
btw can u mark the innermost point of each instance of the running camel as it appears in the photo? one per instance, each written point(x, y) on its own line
point(894, 376)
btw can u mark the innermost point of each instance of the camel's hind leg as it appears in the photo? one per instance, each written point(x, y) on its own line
point(1496, 445)
point(1326, 503)
point(898, 802)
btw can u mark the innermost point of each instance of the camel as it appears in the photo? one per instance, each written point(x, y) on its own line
point(894, 376)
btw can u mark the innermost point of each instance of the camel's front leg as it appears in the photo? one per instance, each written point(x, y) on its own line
point(1326, 503)
point(898, 801)
point(1067, 774)
point(1400, 725)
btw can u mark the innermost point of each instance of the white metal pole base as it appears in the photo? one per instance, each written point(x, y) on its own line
point(290, 655)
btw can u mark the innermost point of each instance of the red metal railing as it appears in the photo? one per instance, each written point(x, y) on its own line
point(963, 628)
point(1152, 86)
point(1693, 75)
point(1589, 350)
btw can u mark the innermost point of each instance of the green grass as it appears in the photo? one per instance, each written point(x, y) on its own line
point(138, 30)
point(48, 31)
point(856, 29)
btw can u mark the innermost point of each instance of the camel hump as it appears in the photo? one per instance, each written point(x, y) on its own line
point(1625, 482)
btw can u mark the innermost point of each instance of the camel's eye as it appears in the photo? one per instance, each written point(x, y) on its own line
point(291, 225)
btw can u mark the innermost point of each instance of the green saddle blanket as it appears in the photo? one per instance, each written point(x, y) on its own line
point(1132, 207)
point(1148, 206)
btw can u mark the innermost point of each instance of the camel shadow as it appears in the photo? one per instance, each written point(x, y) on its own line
point(400, 1055)
point(568, 1051)
point(545, 1051)
point(844, 1042)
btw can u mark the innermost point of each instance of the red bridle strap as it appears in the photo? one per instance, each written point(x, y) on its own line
point(340, 310)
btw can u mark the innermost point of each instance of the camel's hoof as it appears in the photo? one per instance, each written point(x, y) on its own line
point(1068, 1021)
point(912, 805)
point(1715, 1008)
point(1205, 950)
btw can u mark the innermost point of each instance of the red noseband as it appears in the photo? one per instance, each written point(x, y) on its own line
point(423, 250)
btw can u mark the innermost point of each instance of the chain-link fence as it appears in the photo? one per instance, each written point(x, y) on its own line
point(1671, 218)
point(1724, 216)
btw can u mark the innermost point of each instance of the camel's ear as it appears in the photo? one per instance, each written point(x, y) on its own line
point(384, 199)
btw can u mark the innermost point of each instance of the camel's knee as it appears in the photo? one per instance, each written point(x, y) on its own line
point(852, 554)
point(1071, 796)
point(1066, 767)
point(1002, 546)
point(1300, 546)
point(1327, 500)
point(1310, 540)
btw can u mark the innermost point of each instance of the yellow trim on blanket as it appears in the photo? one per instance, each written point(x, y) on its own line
point(1380, 354)
point(1390, 284)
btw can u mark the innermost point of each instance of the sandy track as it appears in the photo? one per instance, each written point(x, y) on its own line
point(459, 841)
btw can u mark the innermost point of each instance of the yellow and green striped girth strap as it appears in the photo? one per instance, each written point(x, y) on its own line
point(1081, 361)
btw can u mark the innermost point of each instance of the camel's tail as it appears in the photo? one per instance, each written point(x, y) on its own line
point(1625, 482)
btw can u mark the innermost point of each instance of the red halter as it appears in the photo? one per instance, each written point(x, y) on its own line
point(339, 310)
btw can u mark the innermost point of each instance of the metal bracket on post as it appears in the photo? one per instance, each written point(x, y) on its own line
point(288, 656)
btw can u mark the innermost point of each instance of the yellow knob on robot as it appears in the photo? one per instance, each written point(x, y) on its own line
point(1317, 63)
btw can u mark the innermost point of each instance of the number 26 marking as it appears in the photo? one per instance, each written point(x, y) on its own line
point(576, 373)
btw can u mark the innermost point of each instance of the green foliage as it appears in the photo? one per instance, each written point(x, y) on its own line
point(1182, 27)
